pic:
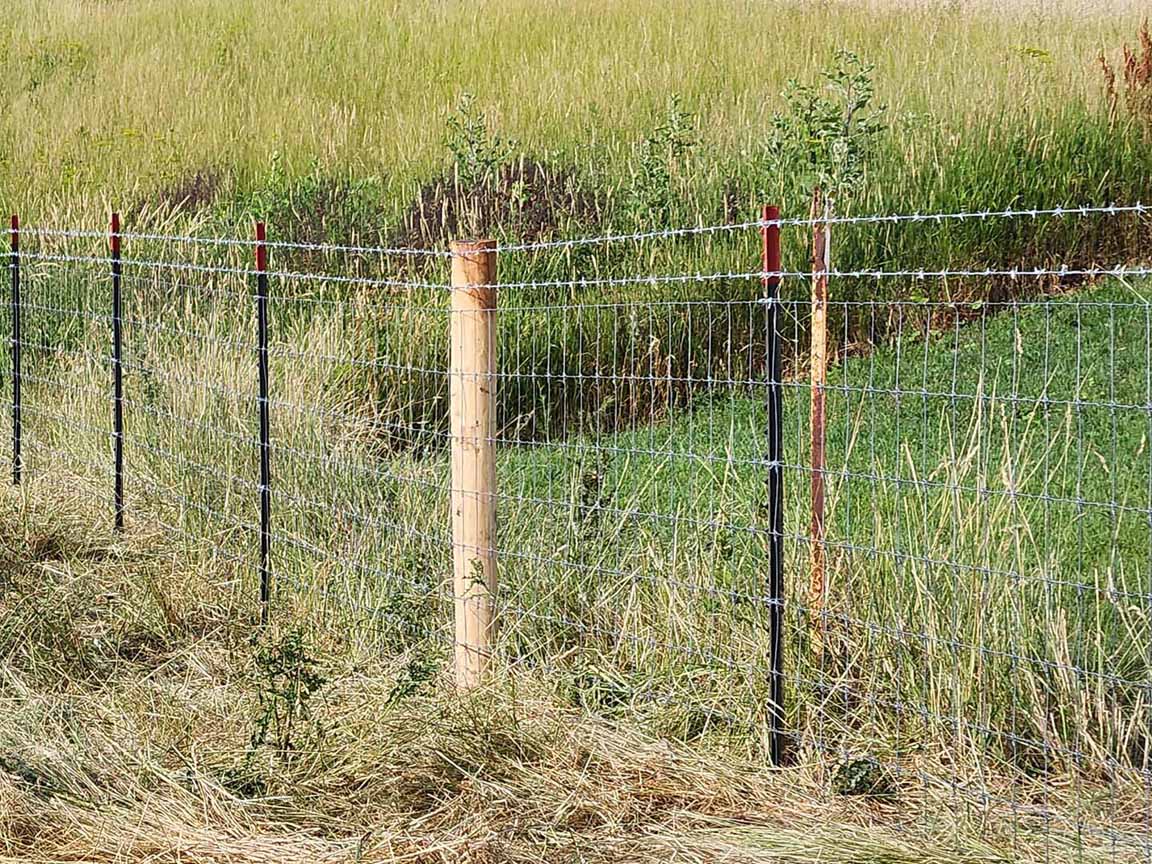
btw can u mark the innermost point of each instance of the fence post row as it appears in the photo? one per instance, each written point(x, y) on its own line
point(265, 426)
point(117, 374)
point(472, 381)
point(772, 266)
point(14, 266)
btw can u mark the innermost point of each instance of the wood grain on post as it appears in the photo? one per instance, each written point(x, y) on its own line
point(472, 378)
point(821, 260)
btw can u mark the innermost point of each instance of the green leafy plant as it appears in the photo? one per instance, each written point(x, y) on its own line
point(827, 131)
point(289, 679)
point(412, 678)
point(477, 152)
point(659, 164)
point(866, 777)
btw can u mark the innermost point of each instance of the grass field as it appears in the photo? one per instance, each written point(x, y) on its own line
point(984, 647)
point(986, 630)
point(190, 119)
point(194, 112)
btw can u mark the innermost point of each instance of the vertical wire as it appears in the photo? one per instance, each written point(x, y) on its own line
point(1146, 766)
point(984, 564)
point(1080, 619)
point(876, 563)
point(670, 413)
point(814, 683)
point(927, 538)
point(697, 469)
point(952, 490)
point(15, 346)
point(900, 578)
point(1047, 562)
point(1109, 597)
point(1010, 473)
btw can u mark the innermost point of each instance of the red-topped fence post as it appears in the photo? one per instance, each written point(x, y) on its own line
point(265, 422)
point(770, 235)
point(117, 374)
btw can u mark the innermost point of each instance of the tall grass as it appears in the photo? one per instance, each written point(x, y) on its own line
point(987, 624)
point(235, 105)
point(332, 125)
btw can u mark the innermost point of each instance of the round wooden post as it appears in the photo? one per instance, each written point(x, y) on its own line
point(821, 264)
point(472, 378)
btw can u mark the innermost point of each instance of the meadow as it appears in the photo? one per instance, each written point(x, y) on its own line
point(973, 688)
point(984, 637)
point(193, 113)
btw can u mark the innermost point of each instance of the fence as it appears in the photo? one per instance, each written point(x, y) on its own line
point(902, 534)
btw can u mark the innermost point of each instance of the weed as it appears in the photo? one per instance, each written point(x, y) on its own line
point(865, 776)
point(659, 167)
point(289, 678)
point(1137, 85)
point(477, 152)
point(827, 132)
point(413, 678)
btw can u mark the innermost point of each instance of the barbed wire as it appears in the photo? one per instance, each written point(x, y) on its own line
point(79, 234)
point(656, 234)
point(957, 216)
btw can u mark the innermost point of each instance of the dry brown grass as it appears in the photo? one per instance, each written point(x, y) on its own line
point(127, 689)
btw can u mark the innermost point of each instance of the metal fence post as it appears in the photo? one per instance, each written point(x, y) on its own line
point(473, 407)
point(117, 375)
point(265, 426)
point(772, 266)
point(14, 264)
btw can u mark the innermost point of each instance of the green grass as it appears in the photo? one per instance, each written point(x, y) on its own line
point(327, 122)
point(988, 542)
point(987, 616)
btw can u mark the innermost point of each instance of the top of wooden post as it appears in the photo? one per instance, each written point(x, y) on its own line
point(467, 248)
point(474, 270)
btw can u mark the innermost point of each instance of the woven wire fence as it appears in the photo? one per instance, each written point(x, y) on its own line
point(944, 601)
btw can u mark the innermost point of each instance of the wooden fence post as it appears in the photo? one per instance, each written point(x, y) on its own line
point(821, 261)
point(472, 377)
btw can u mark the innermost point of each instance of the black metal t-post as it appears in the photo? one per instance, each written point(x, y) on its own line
point(14, 264)
point(117, 374)
point(771, 262)
point(265, 426)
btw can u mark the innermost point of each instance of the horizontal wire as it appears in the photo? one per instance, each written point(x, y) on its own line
point(659, 234)
point(962, 215)
point(233, 271)
point(1118, 270)
point(229, 241)
point(247, 297)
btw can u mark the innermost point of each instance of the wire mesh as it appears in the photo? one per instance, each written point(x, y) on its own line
point(980, 643)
